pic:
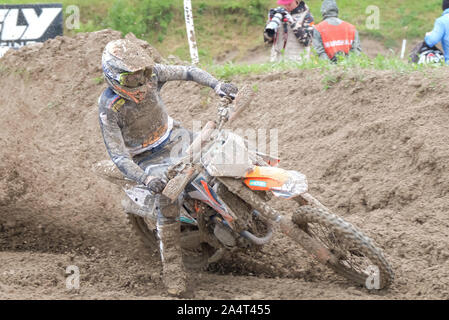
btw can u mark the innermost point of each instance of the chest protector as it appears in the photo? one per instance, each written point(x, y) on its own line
point(336, 38)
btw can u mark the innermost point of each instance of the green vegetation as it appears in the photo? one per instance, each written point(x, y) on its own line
point(236, 25)
point(98, 80)
point(399, 20)
point(141, 17)
point(255, 88)
point(353, 62)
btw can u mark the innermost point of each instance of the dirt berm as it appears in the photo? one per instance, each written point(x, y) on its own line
point(373, 144)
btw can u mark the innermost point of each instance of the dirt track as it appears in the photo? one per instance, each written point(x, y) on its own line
point(373, 145)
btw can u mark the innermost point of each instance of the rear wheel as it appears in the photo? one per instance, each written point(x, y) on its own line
point(194, 253)
point(358, 258)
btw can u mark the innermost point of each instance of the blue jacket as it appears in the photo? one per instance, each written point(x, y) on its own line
point(440, 33)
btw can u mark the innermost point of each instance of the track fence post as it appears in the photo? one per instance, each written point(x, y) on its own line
point(404, 45)
point(191, 32)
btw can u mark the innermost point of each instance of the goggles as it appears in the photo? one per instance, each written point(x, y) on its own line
point(135, 79)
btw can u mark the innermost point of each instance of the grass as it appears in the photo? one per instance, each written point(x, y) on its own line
point(98, 80)
point(236, 25)
point(353, 62)
point(399, 20)
point(18, 72)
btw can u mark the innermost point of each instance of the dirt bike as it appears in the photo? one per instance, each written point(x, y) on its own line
point(224, 207)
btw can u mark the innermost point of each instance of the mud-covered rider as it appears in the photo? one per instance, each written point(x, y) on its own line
point(139, 134)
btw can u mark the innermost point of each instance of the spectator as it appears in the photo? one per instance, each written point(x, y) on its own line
point(440, 32)
point(291, 34)
point(334, 36)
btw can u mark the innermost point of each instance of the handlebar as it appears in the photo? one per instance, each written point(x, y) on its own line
point(176, 185)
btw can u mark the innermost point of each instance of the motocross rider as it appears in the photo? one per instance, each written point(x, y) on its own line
point(139, 134)
point(292, 39)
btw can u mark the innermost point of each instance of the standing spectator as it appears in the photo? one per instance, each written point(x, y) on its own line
point(440, 32)
point(289, 30)
point(334, 36)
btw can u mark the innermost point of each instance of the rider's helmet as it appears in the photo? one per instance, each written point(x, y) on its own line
point(431, 56)
point(127, 68)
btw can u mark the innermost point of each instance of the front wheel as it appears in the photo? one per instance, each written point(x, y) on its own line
point(358, 258)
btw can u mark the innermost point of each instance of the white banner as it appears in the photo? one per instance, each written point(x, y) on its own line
point(23, 24)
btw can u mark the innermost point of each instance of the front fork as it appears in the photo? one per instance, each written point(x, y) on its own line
point(306, 199)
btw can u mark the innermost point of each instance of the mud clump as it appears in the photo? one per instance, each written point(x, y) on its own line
point(11, 186)
point(372, 143)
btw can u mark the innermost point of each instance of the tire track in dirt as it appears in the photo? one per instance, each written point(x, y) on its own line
point(373, 145)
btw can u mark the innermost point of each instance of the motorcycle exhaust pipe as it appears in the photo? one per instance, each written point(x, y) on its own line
point(256, 240)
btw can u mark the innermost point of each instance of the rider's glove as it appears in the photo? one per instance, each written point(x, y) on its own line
point(155, 184)
point(224, 89)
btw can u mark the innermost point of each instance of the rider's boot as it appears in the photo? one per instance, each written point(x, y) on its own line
point(169, 233)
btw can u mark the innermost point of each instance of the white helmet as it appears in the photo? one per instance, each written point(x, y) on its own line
point(127, 68)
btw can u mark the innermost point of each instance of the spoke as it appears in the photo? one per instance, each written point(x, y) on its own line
point(349, 257)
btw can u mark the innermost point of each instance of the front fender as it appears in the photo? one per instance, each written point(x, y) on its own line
point(283, 183)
